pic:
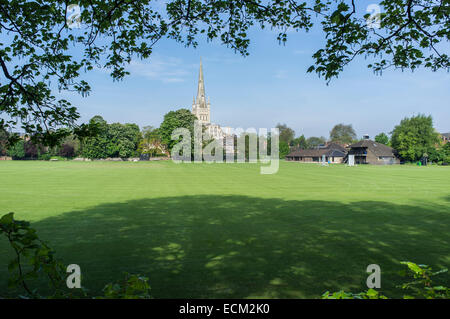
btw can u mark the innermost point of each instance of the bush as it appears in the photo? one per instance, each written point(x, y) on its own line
point(420, 286)
point(33, 151)
point(17, 151)
point(67, 150)
point(45, 157)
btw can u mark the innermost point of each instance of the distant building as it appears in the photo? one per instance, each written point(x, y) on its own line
point(445, 137)
point(370, 152)
point(334, 153)
point(202, 110)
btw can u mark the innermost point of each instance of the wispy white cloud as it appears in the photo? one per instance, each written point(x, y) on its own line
point(158, 68)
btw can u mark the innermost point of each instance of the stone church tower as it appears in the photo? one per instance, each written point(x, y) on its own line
point(200, 107)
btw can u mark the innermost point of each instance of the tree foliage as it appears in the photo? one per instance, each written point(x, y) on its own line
point(440, 155)
point(382, 138)
point(111, 140)
point(25, 149)
point(286, 133)
point(343, 134)
point(17, 151)
point(182, 118)
point(35, 259)
point(300, 142)
point(69, 148)
point(284, 149)
point(41, 52)
point(151, 142)
point(3, 142)
point(29, 249)
point(315, 141)
point(414, 137)
point(421, 285)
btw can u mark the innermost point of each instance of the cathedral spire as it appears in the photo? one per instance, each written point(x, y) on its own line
point(200, 108)
point(201, 98)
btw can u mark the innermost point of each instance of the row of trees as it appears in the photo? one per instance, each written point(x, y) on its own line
point(111, 140)
point(50, 54)
point(119, 140)
point(341, 133)
point(106, 141)
point(413, 139)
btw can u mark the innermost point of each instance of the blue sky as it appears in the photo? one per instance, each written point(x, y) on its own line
point(268, 87)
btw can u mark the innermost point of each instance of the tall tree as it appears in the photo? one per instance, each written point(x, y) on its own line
point(182, 118)
point(123, 139)
point(414, 137)
point(40, 46)
point(382, 138)
point(300, 142)
point(97, 146)
point(286, 133)
point(284, 149)
point(344, 134)
point(112, 140)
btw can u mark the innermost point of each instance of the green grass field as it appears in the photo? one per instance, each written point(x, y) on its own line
point(224, 230)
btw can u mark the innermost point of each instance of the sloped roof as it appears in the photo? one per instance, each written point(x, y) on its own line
point(447, 135)
point(377, 148)
point(331, 149)
point(336, 146)
point(317, 152)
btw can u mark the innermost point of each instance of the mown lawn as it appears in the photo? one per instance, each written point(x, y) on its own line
point(224, 230)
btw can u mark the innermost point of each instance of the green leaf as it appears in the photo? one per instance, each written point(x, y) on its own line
point(372, 293)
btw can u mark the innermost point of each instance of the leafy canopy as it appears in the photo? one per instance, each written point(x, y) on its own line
point(111, 140)
point(40, 53)
point(182, 118)
point(151, 142)
point(315, 141)
point(414, 137)
point(344, 134)
point(382, 138)
point(286, 133)
point(284, 149)
point(300, 142)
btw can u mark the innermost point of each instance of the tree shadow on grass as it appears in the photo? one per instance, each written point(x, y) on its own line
point(237, 247)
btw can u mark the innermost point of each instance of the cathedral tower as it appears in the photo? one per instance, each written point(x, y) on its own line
point(200, 107)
